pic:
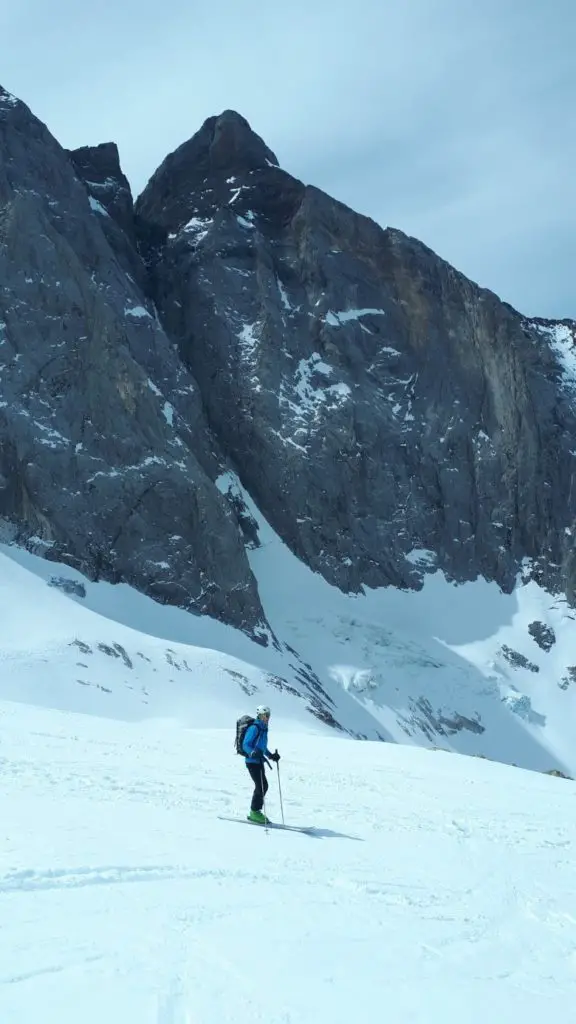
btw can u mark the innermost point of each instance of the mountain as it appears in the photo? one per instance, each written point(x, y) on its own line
point(249, 403)
point(322, 336)
point(106, 460)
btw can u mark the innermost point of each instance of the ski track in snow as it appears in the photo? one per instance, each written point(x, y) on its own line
point(29, 879)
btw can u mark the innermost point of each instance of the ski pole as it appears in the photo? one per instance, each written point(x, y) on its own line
point(280, 792)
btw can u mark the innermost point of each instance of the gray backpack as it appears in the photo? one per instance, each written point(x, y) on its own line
point(241, 726)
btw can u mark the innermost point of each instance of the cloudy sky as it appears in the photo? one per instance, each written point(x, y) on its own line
point(453, 120)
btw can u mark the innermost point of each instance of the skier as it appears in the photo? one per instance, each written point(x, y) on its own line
point(255, 747)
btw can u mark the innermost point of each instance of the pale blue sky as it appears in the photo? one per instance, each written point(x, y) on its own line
point(450, 119)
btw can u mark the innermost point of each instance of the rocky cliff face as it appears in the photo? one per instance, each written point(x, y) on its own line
point(106, 461)
point(386, 414)
point(109, 194)
point(374, 401)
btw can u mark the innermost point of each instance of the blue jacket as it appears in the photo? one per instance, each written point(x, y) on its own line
point(255, 744)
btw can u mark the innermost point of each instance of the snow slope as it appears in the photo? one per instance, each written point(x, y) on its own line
point(57, 652)
point(449, 665)
point(438, 889)
point(463, 667)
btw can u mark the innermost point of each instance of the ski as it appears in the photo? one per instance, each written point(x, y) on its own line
point(307, 830)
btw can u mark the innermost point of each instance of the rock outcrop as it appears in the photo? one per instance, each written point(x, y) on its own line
point(388, 415)
point(106, 461)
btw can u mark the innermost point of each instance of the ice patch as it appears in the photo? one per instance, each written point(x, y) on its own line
point(226, 482)
point(306, 396)
point(337, 319)
point(7, 99)
point(107, 184)
point(248, 338)
point(53, 439)
point(561, 340)
point(520, 704)
point(421, 556)
point(138, 312)
point(244, 222)
point(283, 295)
point(309, 394)
point(151, 460)
point(351, 678)
point(341, 390)
point(97, 207)
point(196, 227)
point(168, 411)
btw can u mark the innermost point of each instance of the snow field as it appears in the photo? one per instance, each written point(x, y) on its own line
point(450, 666)
point(438, 888)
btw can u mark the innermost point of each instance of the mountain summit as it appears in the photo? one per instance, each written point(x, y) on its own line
point(224, 146)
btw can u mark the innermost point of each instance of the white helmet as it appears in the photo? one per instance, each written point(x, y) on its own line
point(262, 710)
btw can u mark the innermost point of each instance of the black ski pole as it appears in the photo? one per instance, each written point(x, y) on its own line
point(280, 793)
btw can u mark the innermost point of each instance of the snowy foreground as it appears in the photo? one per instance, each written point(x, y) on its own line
point(438, 888)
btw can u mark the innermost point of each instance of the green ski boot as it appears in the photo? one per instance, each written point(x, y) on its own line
point(257, 817)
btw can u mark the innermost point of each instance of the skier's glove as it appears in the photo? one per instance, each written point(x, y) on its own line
point(275, 756)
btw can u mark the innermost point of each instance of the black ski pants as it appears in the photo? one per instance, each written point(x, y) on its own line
point(258, 776)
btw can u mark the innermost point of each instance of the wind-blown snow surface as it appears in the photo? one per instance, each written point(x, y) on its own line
point(437, 889)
